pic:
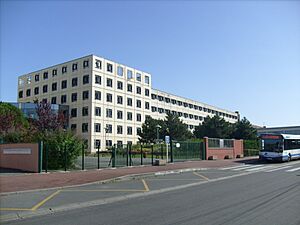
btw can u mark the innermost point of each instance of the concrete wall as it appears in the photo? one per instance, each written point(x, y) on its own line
point(20, 156)
point(222, 153)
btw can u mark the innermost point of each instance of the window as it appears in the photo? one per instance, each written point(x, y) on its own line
point(74, 66)
point(97, 111)
point(97, 143)
point(138, 117)
point(119, 114)
point(129, 116)
point(74, 97)
point(97, 95)
point(45, 88)
point(153, 96)
point(108, 128)
point(64, 69)
point(154, 109)
point(138, 103)
point(147, 79)
point(119, 130)
point(129, 87)
point(85, 111)
point(191, 127)
point(185, 104)
point(147, 105)
point(196, 117)
point(98, 64)
point(63, 99)
point(129, 74)
point(138, 77)
point(85, 79)
point(54, 72)
point(74, 112)
point(109, 113)
point(160, 98)
point(119, 99)
point(167, 111)
point(20, 94)
point(129, 101)
point(36, 90)
point(109, 97)
point(44, 100)
point(109, 67)
point(97, 79)
point(138, 130)
point(85, 127)
point(129, 130)
point(180, 114)
point(85, 95)
point(37, 77)
point(109, 82)
point(138, 90)
point(186, 115)
point(73, 127)
point(120, 71)
point(109, 143)
point(191, 116)
point(54, 86)
point(85, 63)
point(63, 84)
point(173, 101)
point(74, 82)
point(120, 85)
point(97, 127)
point(45, 75)
point(167, 100)
point(161, 110)
point(147, 92)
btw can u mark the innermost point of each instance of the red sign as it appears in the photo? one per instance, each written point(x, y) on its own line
point(270, 137)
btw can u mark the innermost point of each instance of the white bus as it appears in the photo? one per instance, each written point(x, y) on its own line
point(279, 147)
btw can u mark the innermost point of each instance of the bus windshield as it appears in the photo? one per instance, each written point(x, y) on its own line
point(271, 145)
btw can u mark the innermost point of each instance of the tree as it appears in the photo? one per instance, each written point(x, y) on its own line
point(244, 130)
point(175, 128)
point(171, 126)
point(47, 121)
point(12, 119)
point(149, 130)
point(214, 127)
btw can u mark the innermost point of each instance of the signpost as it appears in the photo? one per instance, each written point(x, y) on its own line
point(167, 140)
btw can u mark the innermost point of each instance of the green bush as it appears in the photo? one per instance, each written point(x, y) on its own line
point(251, 144)
point(58, 144)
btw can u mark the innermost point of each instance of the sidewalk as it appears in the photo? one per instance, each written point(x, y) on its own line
point(34, 181)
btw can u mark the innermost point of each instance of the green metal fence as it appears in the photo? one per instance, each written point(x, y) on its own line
point(184, 150)
point(251, 152)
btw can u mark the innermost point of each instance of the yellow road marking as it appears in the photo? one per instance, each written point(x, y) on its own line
point(171, 179)
point(15, 209)
point(145, 185)
point(200, 175)
point(44, 201)
point(103, 190)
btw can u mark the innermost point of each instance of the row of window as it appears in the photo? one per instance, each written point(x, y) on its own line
point(64, 85)
point(121, 71)
point(108, 129)
point(108, 113)
point(180, 114)
point(64, 69)
point(191, 106)
point(97, 143)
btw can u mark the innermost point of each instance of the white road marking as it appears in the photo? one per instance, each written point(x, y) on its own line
point(292, 170)
point(260, 168)
point(279, 168)
point(229, 168)
point(248, 167)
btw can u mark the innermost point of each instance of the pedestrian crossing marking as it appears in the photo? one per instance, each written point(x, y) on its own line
point(279, 168)
point(247, 167)
point(293, 170)
point(259, 168)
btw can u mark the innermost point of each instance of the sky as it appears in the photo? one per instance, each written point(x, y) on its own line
point(238, 55)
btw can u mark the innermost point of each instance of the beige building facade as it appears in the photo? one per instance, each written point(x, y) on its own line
point(108, 101)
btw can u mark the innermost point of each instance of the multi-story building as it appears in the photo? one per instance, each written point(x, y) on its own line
point(108, 101)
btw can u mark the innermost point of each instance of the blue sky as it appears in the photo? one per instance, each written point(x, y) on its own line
point(238, 55)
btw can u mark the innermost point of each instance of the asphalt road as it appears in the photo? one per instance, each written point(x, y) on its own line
point(242, 195)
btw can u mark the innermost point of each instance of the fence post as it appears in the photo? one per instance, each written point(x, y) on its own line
point(46, 158)
point(127, 154)
point(171, 150)
point(40, 163)
point(98, 156)
point(82, 157)
point(152, 152)
point(161, 151)
point(113, 156)
point(130, 155)
point(142, 155)
point(65, 152)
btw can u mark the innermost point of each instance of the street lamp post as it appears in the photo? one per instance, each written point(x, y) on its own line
point(157, 133)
